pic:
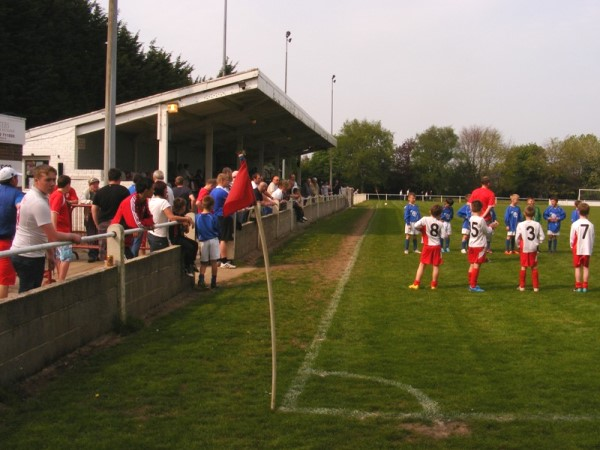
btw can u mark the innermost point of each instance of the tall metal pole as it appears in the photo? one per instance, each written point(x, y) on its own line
point(331, 132)
point(110, 90)
point(332, 82)
point(288, 39)
point(225, 39)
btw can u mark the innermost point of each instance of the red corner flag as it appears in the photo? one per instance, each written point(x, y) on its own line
point(241, 194)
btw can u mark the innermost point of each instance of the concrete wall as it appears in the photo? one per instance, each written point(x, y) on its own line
point(283, 223)
point(44, 324)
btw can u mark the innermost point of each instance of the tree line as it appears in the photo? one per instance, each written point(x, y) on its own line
point(54, 61)
point(441, 161)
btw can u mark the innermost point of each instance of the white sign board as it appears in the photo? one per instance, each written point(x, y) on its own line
point(12, 130)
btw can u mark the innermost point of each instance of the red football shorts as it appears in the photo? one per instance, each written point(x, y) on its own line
point(477, 255)
point(529, 259)
point(431, 254)
point(581, 260)
point(8, 276)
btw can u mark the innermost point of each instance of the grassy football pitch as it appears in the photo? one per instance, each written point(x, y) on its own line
point(364, 362)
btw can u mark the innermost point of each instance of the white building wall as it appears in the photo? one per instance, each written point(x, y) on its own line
point(60, 146)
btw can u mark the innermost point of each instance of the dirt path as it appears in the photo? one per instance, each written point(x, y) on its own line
point(227, 277)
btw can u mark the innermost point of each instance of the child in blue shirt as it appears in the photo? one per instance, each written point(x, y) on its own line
point(446, 217)
point(465, 213)
point(493, 218)
point(575, 212)
point(512, 217)
point(554, 214)
point(411, 216)
point(207, 232)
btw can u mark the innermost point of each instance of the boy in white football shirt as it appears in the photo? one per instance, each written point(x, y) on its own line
point(528, 236)
point(478, 236)
point(433, 231)
point(582, 243)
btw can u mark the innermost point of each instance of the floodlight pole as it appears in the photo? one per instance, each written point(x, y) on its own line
point(225, 40)
point(110, 89)
point(331, 132)
point(288, 39)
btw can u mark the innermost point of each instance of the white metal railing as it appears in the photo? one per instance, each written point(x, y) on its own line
point(95, 237)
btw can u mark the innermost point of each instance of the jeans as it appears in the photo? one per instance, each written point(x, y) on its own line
point(157, 243)
point(137, 243)
point(29, 270)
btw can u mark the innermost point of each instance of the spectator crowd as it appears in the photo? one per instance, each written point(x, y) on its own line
point(43, 214)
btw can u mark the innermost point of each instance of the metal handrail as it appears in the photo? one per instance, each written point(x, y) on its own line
point(49, 245)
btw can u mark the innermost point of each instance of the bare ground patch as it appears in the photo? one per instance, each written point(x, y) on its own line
point(35, 383)
point(437, 430)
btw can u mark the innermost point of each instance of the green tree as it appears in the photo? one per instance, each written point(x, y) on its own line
point(54, 59)
point(432, 157)
point(574, 163)
point(317, 165)
point(480, 149)
point(364, 154)
point(524, 172)
point(400, 171)
point(230, 68)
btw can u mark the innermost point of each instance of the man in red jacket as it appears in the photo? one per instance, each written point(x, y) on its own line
point(133, 212)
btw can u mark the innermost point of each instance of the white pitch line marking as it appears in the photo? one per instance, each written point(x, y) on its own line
point(430, 407)
point(291, 397)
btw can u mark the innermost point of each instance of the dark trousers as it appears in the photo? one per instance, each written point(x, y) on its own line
point(102, 227)
point(90, 230)
point(189, 249)
point(298, 211)
point(29, 270)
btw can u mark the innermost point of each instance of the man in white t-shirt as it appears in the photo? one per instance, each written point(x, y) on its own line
point(273, 185)
point(34, 227)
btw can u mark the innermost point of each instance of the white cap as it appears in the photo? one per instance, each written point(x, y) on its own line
point(6, 173)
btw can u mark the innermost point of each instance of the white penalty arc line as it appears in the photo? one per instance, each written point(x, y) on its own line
point(431, 409)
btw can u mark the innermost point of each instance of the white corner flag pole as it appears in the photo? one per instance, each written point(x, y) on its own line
point(265, 250)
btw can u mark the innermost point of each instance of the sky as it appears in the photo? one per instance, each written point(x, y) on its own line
point(528, 68)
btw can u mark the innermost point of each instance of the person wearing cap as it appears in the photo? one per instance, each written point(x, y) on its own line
point(34, 227)
point(88, 220)
point(10, 199)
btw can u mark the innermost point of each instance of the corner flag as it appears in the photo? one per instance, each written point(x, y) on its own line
point(241, 194)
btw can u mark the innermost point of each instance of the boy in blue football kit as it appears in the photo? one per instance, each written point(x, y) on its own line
point(446, 217)
point(411, 216)
point(575, 212)
point(512, 217)
point(207, 232)
point(465, 213)
point(554, 214)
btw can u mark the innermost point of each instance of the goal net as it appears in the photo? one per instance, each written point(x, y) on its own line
point(586, 195)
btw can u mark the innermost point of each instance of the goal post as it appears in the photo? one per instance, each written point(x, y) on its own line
point(589, 195)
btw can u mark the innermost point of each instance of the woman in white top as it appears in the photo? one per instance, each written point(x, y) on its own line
point(162, 213)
